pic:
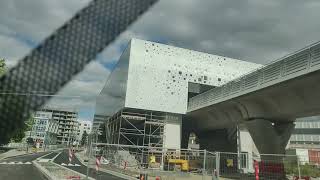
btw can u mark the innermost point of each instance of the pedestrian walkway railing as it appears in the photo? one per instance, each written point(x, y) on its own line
point(293, 65)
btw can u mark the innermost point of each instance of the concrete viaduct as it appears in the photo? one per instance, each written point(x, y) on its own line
point(266, 101)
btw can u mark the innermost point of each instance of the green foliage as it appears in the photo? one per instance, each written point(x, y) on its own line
point(309, 170)
point(29, 123)
point(13, 128)
point(305, 170)
point(84, 138)
point(18, 136)
point(30, 140)
point(2, 66)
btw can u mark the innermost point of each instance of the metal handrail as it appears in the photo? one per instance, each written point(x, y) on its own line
point(258, 77)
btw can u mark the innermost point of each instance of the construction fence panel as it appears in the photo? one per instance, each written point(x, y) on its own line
point(153, 161)
point(179, 164)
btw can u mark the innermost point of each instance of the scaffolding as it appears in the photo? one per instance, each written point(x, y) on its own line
point(136, 127)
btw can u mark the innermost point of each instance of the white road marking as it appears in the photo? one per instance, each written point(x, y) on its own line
point(15, 163)
point(44, 155)
point(72, 165)
point(44, 160)
point(56, 156)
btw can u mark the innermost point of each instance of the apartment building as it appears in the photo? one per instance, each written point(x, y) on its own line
point(44, 129)
point(306, 133)
point(68, 124)
point(84, 126)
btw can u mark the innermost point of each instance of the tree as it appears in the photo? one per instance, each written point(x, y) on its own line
point(29, 124)
point(2, 67)
point(84, 138)
point(30, 140)
point(18, 136)
point(20, 133)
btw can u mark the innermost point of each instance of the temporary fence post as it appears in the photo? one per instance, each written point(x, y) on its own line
point(204, 163)
point(238, 148)
point(89, 155)
point(218, 164)
point(298, 162)
point(162, 160)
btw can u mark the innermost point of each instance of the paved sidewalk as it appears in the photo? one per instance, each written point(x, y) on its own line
point(12, 153)
point(54, 171)
point(15, 152)
point(63, 159)
point(82, 157)
point(131, 175)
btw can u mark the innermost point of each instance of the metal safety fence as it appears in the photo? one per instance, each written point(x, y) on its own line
point(164, 163)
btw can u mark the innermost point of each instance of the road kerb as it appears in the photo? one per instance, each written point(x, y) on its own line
point(1, 158)
point(120, 175)
point(73, 171)
point(44, 171)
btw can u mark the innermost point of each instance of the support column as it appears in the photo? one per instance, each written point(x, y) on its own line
point(270, 138)
point(172, 132)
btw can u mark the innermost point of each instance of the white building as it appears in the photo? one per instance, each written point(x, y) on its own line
point(84, 126)
point(68, 124)
point(45, 128)
point(145, 98)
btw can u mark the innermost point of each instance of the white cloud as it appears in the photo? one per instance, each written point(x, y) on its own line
point(113, 52)
point(33, 20)
point(257, 31)
point(87, 85)
point(9, 47)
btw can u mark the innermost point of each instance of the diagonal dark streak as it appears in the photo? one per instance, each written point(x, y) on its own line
point(61, 56)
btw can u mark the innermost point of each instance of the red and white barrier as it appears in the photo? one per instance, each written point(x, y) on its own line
point(98, 163)
point(70, 155)
point(73, 177)
point(256, 169)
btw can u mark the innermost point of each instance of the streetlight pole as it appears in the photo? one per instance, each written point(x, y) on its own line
point(89, 155)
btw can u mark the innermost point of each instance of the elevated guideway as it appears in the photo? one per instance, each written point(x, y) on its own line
point(267, 100)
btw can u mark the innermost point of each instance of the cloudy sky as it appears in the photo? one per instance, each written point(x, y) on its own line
point(258, 31)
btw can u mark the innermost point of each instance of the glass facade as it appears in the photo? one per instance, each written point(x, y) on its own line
point(307, 131)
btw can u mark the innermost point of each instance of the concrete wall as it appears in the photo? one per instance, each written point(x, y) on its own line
point(172, 132)
point(159, 75)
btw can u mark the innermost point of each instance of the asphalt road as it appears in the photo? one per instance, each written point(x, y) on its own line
point(50, 155)
point(64, 158)
point(20, 167)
